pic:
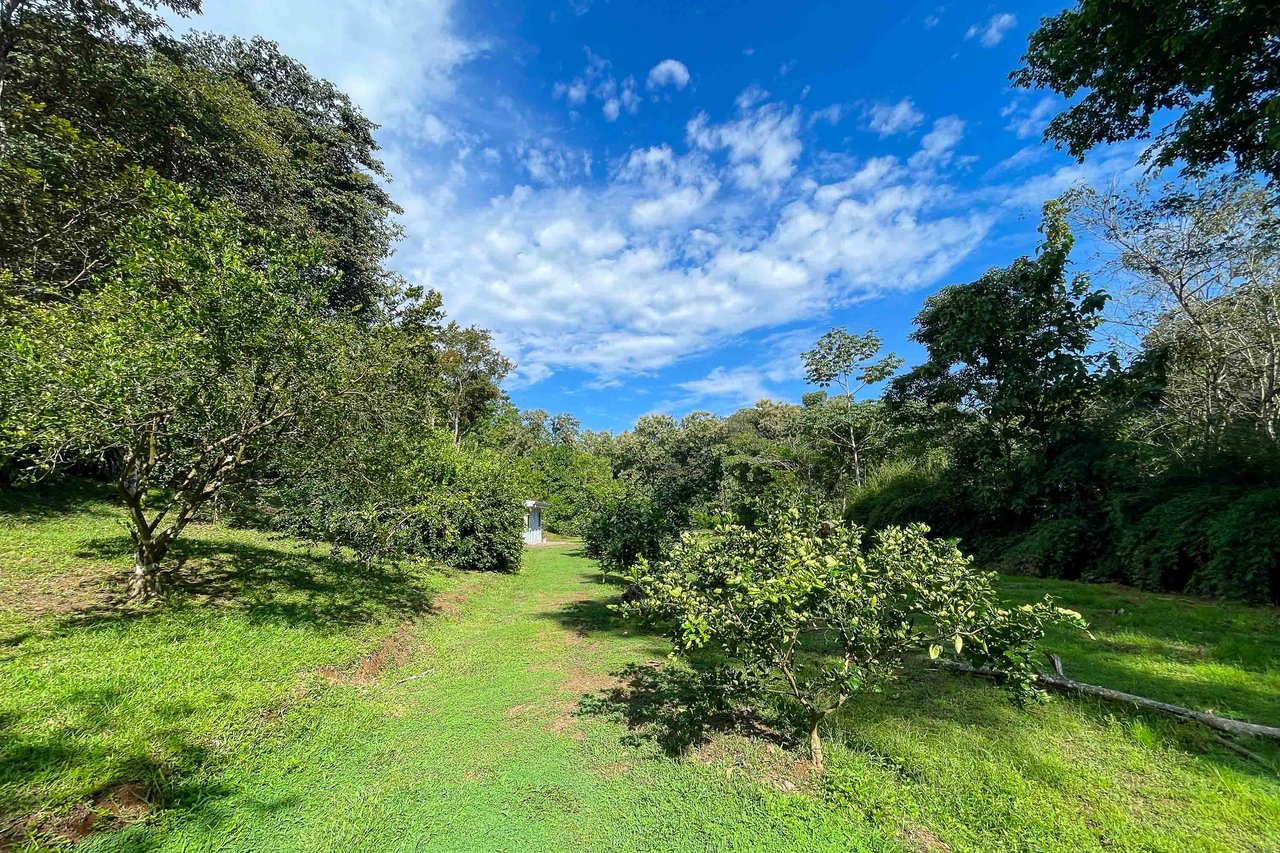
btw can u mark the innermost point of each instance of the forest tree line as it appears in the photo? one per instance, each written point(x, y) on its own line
point(196, 304)
point(1058, 429)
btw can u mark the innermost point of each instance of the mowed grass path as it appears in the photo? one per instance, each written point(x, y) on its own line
point(322, 709)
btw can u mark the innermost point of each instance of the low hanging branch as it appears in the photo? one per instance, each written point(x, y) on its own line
point(1058, 681)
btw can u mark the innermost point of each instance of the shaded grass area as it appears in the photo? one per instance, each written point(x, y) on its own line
point(524, 715)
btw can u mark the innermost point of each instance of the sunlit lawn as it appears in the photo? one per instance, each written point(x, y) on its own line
point(286, 700)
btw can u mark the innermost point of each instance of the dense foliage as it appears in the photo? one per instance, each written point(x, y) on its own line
point(195, 305)
point(812, 612)
point(1211, 65)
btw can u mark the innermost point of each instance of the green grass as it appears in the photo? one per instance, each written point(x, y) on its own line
point(215, 703)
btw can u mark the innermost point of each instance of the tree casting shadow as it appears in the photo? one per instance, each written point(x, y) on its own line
point(267, 584)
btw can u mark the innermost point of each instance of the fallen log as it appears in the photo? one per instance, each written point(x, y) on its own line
point(1058, 681)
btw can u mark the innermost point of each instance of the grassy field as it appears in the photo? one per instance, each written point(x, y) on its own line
point(286, 700)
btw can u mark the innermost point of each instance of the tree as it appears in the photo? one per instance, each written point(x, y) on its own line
point(100, 19)
point(1212, 63)
point(845, 361)
point(237, 120)
point(195, 358)
point(807, 612)
point(1009, 354)
point(1199, 265)
point(470, 370)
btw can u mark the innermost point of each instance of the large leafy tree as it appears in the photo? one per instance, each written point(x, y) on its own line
point(1012, 348)
point(1209, 64)
point(198, 355)
point(470, 371)
point(93, 20)
point(237, 120)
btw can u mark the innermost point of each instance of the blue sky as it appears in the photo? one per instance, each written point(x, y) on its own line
point(657, 206)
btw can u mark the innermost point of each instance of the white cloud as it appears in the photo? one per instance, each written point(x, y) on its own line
point(739, 386)
point(938, 145)
point(668, 72)
point(677, 252)
point(992, 32)
point(831, 114)
point(395, 58)
point(1029, 122)
point(762, 141)
point(596, 81)
point(549, 163)
point(888, 119)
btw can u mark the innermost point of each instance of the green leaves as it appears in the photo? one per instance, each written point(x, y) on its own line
point(820, 615)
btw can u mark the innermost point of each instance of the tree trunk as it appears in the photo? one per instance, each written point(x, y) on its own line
point(144, 583)
point(815, 741)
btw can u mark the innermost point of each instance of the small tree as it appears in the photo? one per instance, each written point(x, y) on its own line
point(806, 611)
point(845, 361)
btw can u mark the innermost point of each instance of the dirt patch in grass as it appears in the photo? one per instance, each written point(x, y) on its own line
point(113, 807)
point(90, 586)
point(580, 682)
point(764, 763)
point(396, 650)
point(566, 723)
point(921, 840)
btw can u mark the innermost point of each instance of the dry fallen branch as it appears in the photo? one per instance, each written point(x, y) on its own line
point(412, 678)
point(1058, 681)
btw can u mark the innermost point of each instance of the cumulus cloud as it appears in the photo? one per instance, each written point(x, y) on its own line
point(991, 32)
point(888, 119)
point(762, 142)
point(668, 72)
point(678, 251)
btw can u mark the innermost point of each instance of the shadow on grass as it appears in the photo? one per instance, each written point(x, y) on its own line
point(39, 502)
point(44, 752)
point(269, 585)
point(139, 778)
point(681, 708)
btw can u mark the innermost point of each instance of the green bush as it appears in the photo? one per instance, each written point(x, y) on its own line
point(1210, 541)
point(630, 524)
point(807, 610)
point(1053, 548)
point(471, 515)
point(905, 491)
point(431, 499)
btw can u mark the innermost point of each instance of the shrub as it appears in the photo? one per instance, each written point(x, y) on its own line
point(903, 491)
point(805, 610)
point(628, 525)
point(1211, 540)
point(430, 499)
point(1053, 548)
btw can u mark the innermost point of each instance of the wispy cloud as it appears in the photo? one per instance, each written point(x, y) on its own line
point(992, 31)
point(889, 119)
